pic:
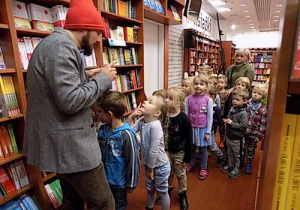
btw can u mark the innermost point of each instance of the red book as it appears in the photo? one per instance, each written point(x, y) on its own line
point(5, 182)
point(296, 60)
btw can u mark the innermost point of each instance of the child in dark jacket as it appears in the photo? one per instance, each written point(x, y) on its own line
point(119, 148)
point(236, 124)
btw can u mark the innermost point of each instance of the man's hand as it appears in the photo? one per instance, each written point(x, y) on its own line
point(108, 70)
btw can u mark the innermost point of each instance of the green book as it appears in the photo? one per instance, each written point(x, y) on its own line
point(12, 138)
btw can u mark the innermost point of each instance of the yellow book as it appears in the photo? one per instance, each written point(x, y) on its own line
point(285, 156)
point(293, 194)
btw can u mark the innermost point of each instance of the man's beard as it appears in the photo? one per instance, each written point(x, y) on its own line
point(87, 49)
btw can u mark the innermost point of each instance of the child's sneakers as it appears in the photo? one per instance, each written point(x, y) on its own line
point(248, 169)
point(189, 168)
point(235, 173)
point(227, 169)
point(203, 174)
point(221, 161)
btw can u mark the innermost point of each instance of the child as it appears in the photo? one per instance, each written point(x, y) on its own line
point(179, 142)
point(188, 85)
point(222, 83)
point(154, 127)
point(200, 112)
point(119, 148)
point(212, 92)
point(212, 82)
point(205, 70)
point(257, 114)
point(160, 92)
point(236, 124)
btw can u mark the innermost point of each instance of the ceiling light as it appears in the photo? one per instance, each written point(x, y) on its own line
point(243, 5)
point(250, 24)
point(248, 16)
point(217, 3)
point(252, 27)
point(277, 11)
point(249, 20)
point(279, 5)
point(276, 16)
point(246, 11)
point(223, 9)
point(233, 26)
point(275, 20)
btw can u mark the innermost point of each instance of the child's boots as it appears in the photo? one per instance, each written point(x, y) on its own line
point(184, 205)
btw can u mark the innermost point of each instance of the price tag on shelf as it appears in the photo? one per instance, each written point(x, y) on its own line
point(115, 42)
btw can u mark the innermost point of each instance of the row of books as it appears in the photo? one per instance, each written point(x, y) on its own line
point(8, 100)
point(262, 71)
point(89, 60)
point(8, 144)
point(26, 47)
point(120, 56)
point(13, 176)
point(261, 65)
point(257, 82)
point(155, 5)
point(132, 101)
point(23, 202)
point(126, 81)
point(121, 33)
point(287, 188)
point(261, 77)
point(119, 7)
point(261, 58)
point(54, 193)
point(41, 18)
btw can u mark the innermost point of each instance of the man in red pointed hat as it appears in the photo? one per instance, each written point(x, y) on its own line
point(59, 132)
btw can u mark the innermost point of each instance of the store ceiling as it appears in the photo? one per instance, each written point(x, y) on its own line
point(247, 15)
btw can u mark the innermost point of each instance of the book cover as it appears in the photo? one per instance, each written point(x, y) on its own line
point(20, 15)
point(127, 56)
point(293, 192)
point(295, 71)
point(122, 5)
point(15, 175)
point(4, 133)
point(23, 53)
point(56, 192)
point(113, 56)
point(285, 155)
point(21, 172)
point(6, 182)
point(122, 58)
point(175, 13)
point(52, 196)
point(28, 46)
point(29, 201)
point(12, 138)
point(11, 205)
point(2, 63)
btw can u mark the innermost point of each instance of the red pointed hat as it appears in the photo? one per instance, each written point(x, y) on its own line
point(83, 15)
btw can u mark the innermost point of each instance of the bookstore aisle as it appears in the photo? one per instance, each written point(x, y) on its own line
point(218, 191)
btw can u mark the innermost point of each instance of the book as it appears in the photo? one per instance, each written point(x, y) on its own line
point(15, 175)
point(21, 17)
point(295, 71)
point(21, 172)
point(11, 205)
point(12, 138)
point(285, 155)
point(2, 63)
point(4, 133)
point(52, 196)
point(113, 56)
point(127, 53)
point(6, 182)
point(40, 17)
point(28, 46)
point(293, 192)
point(122, 5)
point(58, 16)
point(175, 13)
point(23, 53)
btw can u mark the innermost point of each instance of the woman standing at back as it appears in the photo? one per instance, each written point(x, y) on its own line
point(241, 68)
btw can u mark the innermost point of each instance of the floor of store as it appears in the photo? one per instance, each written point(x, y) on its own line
point(218, 191)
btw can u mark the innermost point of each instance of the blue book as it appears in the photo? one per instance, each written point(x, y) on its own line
point(11, 205)
point(147, 3)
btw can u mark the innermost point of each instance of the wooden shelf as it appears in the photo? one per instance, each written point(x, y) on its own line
point(3, 26)
point(128, 66)
point(128, 44)
point(15, 157)
point(132, 90)
point(32, 32)
point(7, 71)
point(153, 15)
point(15, 194)
point(4, 119)
point(52, 2)
point(294, 86)
point(119, 18)
point(91, 67)
point(48, 177)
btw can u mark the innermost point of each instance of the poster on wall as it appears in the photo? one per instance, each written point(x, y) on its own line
point(175, 55)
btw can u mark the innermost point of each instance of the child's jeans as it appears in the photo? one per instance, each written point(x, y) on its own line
point(250, 146)
point(203, 158)
point(178, 169)
point(234, 152)
point(120, 196)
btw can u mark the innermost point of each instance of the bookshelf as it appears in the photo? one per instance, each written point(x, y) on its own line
point(167, 18)
point(229, 50)
point(281, 86)
point(205, 52)
point(9, 35)
point(261, 59)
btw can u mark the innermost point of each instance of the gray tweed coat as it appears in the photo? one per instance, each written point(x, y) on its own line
point(59, 136)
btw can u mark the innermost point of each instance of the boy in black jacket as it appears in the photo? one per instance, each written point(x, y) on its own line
point(236, 124)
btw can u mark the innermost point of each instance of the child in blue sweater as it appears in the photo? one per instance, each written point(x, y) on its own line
point(119, 148)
